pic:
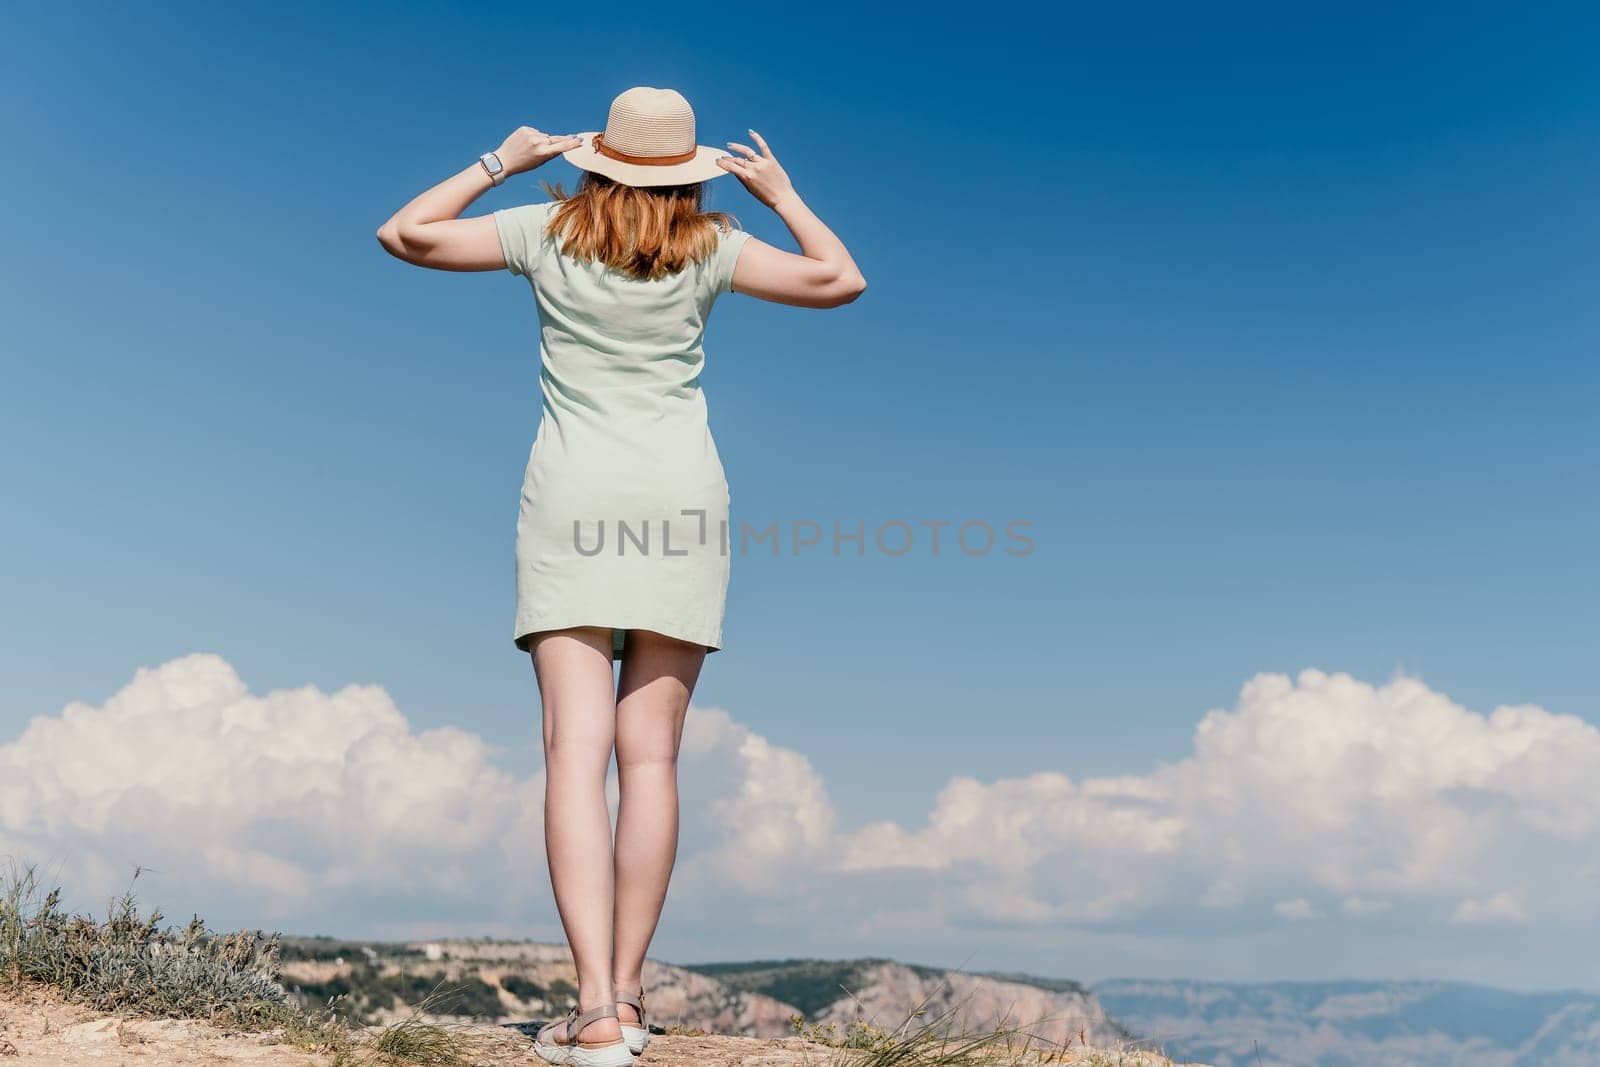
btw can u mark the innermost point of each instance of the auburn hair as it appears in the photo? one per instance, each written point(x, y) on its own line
point(646, 232)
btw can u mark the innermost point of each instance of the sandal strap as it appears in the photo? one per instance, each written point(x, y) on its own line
point(576, 1022)
point(624, 996)
point(548, 1031)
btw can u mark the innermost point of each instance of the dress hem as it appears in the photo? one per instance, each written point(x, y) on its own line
point(618, 635)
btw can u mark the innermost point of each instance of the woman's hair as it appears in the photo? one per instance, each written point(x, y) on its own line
point(644, 232)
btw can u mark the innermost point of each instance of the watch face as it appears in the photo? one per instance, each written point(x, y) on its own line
point(492, 163)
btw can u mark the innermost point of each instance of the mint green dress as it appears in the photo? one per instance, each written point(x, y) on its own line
point(624, 515)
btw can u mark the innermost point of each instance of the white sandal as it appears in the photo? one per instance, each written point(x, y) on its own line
point(636, 1034)
point(575, 1053)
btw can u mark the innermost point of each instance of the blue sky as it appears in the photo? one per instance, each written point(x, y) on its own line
point(1275, 327)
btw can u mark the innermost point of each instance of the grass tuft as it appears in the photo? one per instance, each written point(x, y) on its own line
point(413, 1040)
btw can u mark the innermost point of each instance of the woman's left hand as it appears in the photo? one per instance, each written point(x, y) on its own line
point(528, 148)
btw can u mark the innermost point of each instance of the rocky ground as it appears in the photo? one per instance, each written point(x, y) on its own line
point(39, 1028)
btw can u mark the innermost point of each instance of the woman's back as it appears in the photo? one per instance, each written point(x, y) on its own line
point(620, 356)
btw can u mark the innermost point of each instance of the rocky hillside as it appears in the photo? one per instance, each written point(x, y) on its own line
point(885, 992)
point(503, 981)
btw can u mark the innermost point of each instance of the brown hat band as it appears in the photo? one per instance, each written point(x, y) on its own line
point(648, 161)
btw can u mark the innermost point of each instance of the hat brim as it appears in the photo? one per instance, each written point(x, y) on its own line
point(701, 168)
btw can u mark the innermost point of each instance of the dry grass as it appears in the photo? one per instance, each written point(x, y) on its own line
point(129, 963)
point(680, 1030)
point(414, 1040)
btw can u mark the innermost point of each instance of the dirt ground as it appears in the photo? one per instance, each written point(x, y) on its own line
point(39, 1028)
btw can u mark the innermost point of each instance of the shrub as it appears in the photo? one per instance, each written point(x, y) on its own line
point(522, 987)
point(132, 962)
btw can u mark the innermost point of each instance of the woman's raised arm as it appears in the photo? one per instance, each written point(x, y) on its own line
point(429, 232)
point(823, 275)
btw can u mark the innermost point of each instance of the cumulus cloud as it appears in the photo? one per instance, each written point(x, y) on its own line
point(767, 805)
point(1317, 795)
point(286, 797)
point(1316, 789)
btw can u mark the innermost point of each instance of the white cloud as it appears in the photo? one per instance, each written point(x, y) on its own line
point(1499, 907)
point(284, 796)
point(1322, 786)
point(1313, 795)
point(768, 806)
point(1364, 906)
point(1298, 908)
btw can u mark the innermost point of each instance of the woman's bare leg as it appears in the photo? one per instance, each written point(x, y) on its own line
point(573, 668)
point(658, 677)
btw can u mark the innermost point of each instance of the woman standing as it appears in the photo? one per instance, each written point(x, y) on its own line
point(622, 539)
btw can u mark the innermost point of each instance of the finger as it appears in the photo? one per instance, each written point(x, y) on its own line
point(762, 141)
point(746, 149)
point(555, 144)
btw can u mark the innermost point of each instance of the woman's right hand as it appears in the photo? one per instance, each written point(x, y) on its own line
point(528, 148)
point(760, 172)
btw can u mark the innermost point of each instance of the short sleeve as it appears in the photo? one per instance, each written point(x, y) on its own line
point(729, 245)
point(521, 230)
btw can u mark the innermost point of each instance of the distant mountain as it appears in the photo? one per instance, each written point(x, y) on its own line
point(1359, 1024)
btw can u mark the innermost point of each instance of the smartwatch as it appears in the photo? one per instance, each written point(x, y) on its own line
point(493, 167)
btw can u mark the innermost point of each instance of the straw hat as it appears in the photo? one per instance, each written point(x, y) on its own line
point(648, 140)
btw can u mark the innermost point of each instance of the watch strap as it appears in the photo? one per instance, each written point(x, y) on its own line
point(497, 172)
